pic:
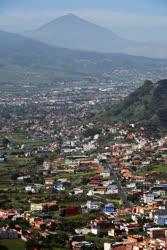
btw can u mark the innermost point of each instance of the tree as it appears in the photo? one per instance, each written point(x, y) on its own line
point(132, 198)
point(14, 177)
point(5, 142)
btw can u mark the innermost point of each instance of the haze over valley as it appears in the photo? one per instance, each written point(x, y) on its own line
point(71, 31)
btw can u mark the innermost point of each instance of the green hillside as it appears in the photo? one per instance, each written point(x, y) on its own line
point(146, 106)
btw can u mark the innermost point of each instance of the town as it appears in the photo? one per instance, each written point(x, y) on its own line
point(72, 181)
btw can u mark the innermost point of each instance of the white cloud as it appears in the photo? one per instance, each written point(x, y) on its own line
point(124, 24)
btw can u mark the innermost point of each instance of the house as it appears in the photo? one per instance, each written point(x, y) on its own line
point(131, 185)
point(116, 246)
point(96, 180)
point(71, 211)
point(29, 189)
point(83, 231)
point(8, 234)
point(49, 182)
point(141, 210)
point(50, 206)
point(135, 238)
point(115, 231)
point(25, 177)
point(78, 191)
point(148, 197)
point(131, 228)
point(107, 246)
point(93, 205)
point(46, 165)
point(83, 245)
point(62, 182)
point(39, 224)
point(112, 189)
point(106, 183)
point(36, 206)
point(2, 159)
point(100, 225)
point(100, 190)
point(126, 173)
point(112, 232)
point(7, 214)
point(160, 217)
point(159, 193)
point(155, 233)
point(90, 193)
point(109, 209)
point(97, 191)
point(106, 173)
point(60, 187)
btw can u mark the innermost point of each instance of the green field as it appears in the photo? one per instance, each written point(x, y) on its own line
point(154, 168)
point(12, 245)
point(55, 248)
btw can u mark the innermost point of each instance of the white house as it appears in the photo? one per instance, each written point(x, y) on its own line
point(78, 191)
point(148, 197)
point(107, 246)
point(93, 205)
point(36, 207)
point(30, 189)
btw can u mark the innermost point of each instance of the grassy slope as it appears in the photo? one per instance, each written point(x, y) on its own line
point(12, 245)
point(147, 106)
point(156, 168)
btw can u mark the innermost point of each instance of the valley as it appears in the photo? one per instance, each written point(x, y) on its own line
point(83, 126)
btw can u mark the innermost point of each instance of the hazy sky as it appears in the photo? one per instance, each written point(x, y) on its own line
point(133, 19)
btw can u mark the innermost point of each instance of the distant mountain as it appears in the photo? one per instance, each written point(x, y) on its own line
point(23, 59)
point(147, 106)
point(72, 32)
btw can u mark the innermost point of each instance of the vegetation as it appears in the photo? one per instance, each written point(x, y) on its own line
point(146, 106)
point(158, 169)
point(12, 245)
point(76, 221)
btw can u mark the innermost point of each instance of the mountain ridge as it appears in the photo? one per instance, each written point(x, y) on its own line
point(146, 106)
point(21, 54)
point(72, 32)
point(71, 17)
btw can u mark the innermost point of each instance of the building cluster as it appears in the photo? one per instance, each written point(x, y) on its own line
point(77, 184)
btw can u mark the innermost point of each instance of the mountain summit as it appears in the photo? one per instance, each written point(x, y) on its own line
point(73, 32)
point(70, 20)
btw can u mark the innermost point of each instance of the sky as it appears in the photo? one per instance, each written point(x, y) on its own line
point(133, 19)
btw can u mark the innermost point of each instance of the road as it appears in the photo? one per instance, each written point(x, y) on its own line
point(122, 190)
